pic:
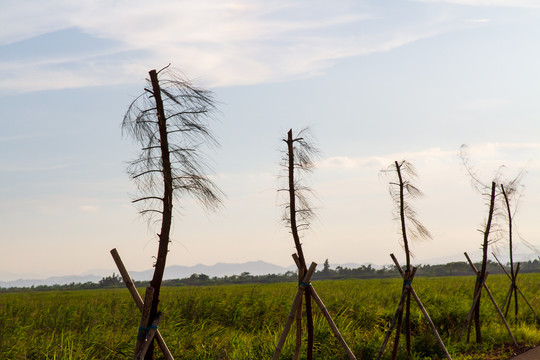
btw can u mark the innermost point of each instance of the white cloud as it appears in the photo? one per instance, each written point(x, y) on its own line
point(36, 76)
point(17, 138)
point(229, 43)
point(381, 162)
point(485, 104)
point(501, 3)
point(33, 167)
point(479, 20)
point(487, 159)
point(89, 208)
point(25, 19)
point(491, 150)
point(338, 162)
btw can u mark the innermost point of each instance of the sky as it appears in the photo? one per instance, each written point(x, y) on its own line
point(375, 81)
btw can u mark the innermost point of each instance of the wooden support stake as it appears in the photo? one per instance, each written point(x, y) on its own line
point(430, 322)
point(515, 288)
point(397, 314)
point(501, 265)
point(469, 315)
point(138, 300)
point(149, 336)
point(145, 318)
point(523, 296)
point(500, 314)
point(331, 322)
point(525, 299)
point(292, 313)
point(424, 311)
point(493, 301)
point(508, 296)
point(325, 313)
point(127, 279)
point(298, 311)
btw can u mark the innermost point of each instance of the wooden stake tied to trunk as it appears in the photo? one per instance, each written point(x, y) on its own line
point(513, 286)
point(477, 296)
point(326, 314)
point(149, 336)
point(145, 318)
point(292, 313)
point(305, 286)
point(298, 345)
point(408, 289)
point(139, 301)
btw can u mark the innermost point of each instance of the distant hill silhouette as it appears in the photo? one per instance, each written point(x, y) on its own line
point(258, 268)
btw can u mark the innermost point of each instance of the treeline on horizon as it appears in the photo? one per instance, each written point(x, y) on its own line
point(363, 272)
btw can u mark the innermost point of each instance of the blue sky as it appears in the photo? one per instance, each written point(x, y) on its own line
point(376, 82)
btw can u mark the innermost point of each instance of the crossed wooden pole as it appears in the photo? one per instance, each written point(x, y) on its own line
point(296, 309)
point(146, 334)
point(513, 287)
point(408, 289)
point(477, 297)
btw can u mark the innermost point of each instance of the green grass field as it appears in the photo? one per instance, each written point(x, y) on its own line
point(245, 321)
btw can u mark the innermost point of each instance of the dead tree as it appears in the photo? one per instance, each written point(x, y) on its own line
point(507, 196)
point(490, 236)
point(511, 193)
point(482, 274)
point(170, 121)
point(482, 284)
point(298, 213)
point(402, 190)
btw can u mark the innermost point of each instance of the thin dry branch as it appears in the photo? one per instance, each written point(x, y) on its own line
point(188, 110)
point(304, 154)
point(402, 192)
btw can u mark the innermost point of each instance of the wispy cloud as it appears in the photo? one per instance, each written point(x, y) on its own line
point(32, 168)
point(89, 208)
point(20, 137)
point(492, 156)
point(512, 154)
point(230, 43)
point(497, 149)
point(492, 3)
point(485, 104)
point(382, 161)
point(479, 20)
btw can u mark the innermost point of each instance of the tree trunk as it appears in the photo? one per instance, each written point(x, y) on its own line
point(164, 234)
point(292, 202)
point(402, 218)
point(482, 274)
point(511, 248)
point(477, 325)
point(407, 258)
point(298, 245)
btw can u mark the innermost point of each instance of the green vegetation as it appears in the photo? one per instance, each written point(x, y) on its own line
point(244, 321)
point(340, 273)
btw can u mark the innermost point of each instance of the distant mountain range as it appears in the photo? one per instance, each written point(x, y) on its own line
point(222, 269)
point(171, 272)
point(219, 269)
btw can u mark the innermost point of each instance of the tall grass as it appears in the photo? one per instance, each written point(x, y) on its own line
point(245, 321)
